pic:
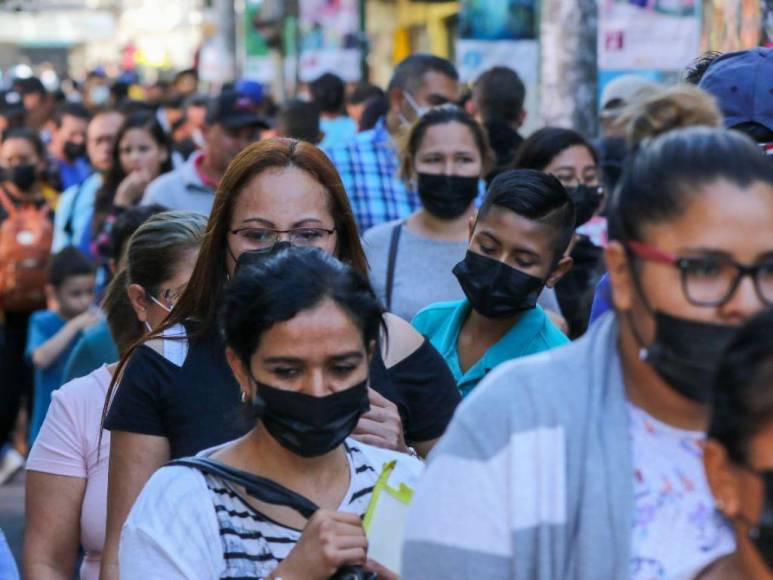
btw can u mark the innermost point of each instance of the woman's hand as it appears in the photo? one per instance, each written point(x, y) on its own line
point(382, 572)
point(381, 426)
point(132, 188)
point(330, 540)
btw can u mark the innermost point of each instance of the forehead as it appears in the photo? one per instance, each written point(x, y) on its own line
point(17, 146)
point(282, 195)
point(436, 83)
point(721, 216)
point(448, 137)
point(576, 156)
point(78, 283)
point(322, 331)
point(73, 122)
point(105, 123)
point(136, 135)
point(516, 230)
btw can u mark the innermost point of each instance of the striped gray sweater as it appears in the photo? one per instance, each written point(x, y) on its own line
point(533, 480)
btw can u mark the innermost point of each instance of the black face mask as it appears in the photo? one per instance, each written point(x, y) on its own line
point(310, 426)
point(254, 257)
point(761, 535)
point(494, 289)
point(446, 196)
point(73, 151)
point(586, 202)
point(686, 353)
point(23, 176)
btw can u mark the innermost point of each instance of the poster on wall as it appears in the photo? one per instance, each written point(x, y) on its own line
point(647, 34)
point(730, 25)
point(258, 64)
point(500, 33)
point(329, 39)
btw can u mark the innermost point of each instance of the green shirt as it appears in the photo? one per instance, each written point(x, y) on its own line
point(442, 322)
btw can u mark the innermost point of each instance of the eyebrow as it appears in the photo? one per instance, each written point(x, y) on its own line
point(438, 98)
point(289, 360)
point(270, 224)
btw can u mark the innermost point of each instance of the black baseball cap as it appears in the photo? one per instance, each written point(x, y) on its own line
point(234, 110)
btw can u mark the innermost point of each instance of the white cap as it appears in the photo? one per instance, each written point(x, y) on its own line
point(623, 90)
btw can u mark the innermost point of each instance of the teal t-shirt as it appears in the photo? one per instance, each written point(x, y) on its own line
point(94, 349)
point(442, 322)
point(43, 325)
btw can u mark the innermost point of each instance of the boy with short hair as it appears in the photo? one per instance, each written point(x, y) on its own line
point(518, 242)
point(53, 332)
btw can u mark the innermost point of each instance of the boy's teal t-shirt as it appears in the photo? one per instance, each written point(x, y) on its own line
point(442, 322)
point(43, 325)
point(95, 348)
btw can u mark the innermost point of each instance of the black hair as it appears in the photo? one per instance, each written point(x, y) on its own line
point(409, 73)
point(499, 94)
point(28, 135)
point(363, 92)
point(104, 197)
point(300, 120)
point(127, 223)
point(743, 388)
point(30, 85)
point(327, 92)
point(66, 263)
point(70, 109)
point(374, 109)
point(694, 73)
point(660, 179)
point(544, 145)
point(537, 196)
point(443, 116)
point(287, 283)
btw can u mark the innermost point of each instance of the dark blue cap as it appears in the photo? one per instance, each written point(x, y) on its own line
point(742, 82)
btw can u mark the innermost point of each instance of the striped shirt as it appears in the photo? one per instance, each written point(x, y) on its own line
point(189, 525)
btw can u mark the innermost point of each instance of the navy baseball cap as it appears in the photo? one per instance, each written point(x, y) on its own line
point(742, 83)
point(234, 110)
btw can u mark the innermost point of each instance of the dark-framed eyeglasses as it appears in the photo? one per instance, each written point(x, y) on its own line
point(263, 238)
point(710, 280)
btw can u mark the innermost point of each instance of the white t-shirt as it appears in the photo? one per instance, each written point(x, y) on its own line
point(190, 526)
point(676, 530)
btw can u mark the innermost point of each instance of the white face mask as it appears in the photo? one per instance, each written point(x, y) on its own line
point(420, 111)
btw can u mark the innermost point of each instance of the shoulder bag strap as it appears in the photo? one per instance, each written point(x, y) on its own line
point(394, 242)
point(6, 202)
point(68, 225)
point(260, 488)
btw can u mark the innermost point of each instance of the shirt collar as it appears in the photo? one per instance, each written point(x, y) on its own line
point(197, 161)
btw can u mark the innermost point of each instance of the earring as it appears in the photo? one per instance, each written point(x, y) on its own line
point(720, 505)
point(244, 396)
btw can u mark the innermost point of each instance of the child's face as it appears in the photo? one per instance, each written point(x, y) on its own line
point(517, 241)
point(75, 295)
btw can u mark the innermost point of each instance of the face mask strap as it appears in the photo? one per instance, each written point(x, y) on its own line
point(640, 292)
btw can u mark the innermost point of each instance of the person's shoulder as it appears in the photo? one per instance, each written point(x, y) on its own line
point(402, 340)
point(46, 319)
point(90, 387)
point(381, 233)
point(172, 489)
point(431, 317)
point(549, 335)
point(165, 182)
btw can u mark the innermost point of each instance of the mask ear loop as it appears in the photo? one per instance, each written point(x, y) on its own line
point(643, 348)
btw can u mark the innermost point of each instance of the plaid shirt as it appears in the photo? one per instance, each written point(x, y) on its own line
point(368, 166)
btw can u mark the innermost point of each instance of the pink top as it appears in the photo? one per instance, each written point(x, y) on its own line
point(67, 445)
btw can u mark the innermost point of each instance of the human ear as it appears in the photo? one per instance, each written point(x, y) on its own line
point(620, 277)
point(564, 265)
point(241, 374)
point(721, 478)
point(138, 299)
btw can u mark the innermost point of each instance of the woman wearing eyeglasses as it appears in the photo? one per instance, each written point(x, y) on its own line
point(567, 155)
point(587, 460)
point(276, 192)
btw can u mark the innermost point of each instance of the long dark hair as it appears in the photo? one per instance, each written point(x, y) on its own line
point(103, 201)
point(660, 178)
point(743, 389)
point(287, 283)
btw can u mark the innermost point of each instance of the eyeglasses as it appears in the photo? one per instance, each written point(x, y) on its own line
point(169, 296)
point(264, 238)
point(711, 281)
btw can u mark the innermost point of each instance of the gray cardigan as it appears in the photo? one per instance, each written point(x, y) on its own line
point(534, 478)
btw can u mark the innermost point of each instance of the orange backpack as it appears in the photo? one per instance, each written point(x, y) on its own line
point(25, 246)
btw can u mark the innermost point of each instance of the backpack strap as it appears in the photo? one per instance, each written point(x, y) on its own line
point(394, 242)
point(68, 225)
point(261, 488)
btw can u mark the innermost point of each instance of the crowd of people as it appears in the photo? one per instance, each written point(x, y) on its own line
point(375, 333)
